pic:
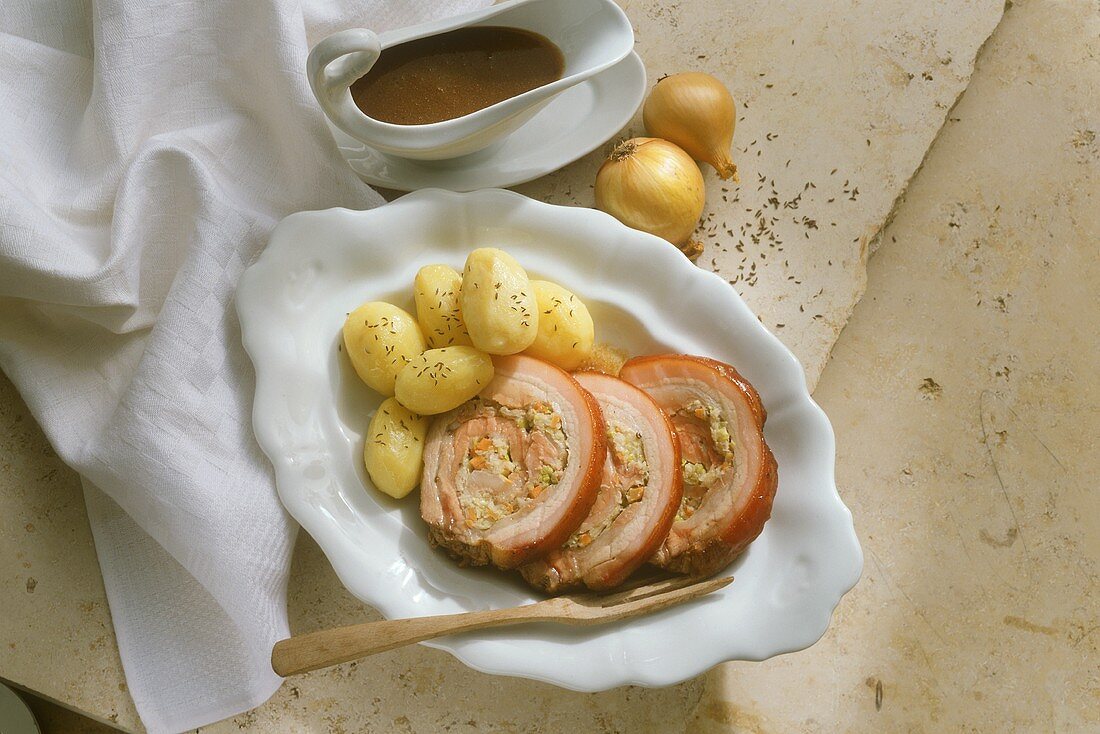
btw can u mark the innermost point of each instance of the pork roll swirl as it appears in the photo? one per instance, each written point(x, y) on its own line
point(509, 475)
point(638, 497)
point(729, 473)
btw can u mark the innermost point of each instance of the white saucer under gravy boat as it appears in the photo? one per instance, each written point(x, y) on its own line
point(593, 35)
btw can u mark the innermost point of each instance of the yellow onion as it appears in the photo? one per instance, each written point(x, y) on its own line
point(652, 185)
point(697, 112)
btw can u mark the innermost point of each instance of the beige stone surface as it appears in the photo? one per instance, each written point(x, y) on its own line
point(838, 103)
point(55, 628)
point(965, 398)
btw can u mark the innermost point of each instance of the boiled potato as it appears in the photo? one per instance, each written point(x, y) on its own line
point(394, 452)
point(605, 358)
point(381, 339)
point(441, 379)
point(497, 303)
point(436, 289)
point(565, 332)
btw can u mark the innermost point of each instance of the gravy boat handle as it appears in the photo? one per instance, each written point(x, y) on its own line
point(334, 64)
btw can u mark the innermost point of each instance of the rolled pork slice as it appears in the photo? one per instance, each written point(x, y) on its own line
point(509, 475)
point(729, 473)
point(639, 494)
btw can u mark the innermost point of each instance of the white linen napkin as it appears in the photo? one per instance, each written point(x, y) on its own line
point(147, 148)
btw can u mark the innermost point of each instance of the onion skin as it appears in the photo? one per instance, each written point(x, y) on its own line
point(652, 185)
point(697, 112)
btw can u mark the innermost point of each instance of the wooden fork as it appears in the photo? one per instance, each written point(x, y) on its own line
point(303, 653)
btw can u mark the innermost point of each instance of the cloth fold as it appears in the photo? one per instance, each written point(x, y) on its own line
point(146, 151)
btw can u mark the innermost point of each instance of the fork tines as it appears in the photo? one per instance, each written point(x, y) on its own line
point(662, 586)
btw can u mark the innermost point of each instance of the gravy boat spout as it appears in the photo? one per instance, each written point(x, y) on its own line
point(593, 35)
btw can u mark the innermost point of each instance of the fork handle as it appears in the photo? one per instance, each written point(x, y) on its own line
point(303, 653)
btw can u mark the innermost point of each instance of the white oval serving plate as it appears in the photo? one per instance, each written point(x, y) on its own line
point(311, 411)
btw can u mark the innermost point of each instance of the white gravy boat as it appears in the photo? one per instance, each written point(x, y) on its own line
point(592, 35)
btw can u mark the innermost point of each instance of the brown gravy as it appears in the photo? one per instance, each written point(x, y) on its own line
point(455, 73)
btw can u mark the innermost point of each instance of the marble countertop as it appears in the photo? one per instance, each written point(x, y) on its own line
point(962, 390)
